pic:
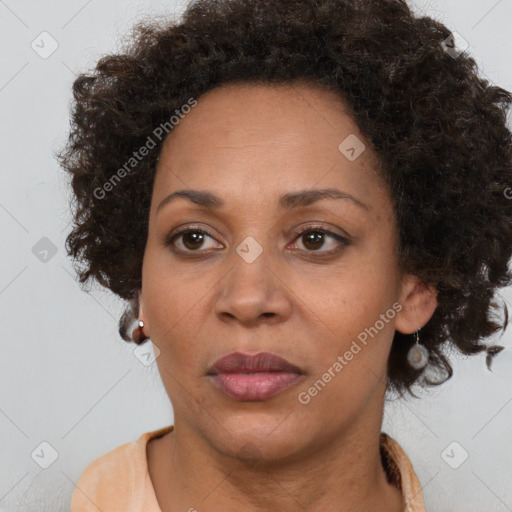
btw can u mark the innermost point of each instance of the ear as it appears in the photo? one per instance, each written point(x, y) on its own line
point(418, 301)
point(142, 316)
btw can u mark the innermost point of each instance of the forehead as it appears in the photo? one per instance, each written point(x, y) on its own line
point(272, 114)
point(268, 138)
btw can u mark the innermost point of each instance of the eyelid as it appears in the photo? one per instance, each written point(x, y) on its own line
point(323, 229)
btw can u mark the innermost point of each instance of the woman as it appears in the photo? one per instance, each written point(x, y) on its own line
point(304, 203)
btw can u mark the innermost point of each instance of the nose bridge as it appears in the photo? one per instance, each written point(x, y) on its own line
point(251, 289)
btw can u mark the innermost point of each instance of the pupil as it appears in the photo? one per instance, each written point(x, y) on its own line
point(197, 238)
point(315, 238)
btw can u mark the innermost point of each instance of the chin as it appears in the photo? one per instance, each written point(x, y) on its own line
point(257, 438)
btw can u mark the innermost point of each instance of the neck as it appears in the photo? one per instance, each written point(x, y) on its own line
point(342, 474)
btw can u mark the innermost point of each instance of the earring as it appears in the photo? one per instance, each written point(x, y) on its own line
point(137, 334)
point(418, 354)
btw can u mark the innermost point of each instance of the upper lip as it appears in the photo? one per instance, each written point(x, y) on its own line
point(238, 362)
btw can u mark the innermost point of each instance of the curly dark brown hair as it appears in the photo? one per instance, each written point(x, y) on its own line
point(437, 128)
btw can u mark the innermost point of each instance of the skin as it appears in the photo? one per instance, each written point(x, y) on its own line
point(249, 144)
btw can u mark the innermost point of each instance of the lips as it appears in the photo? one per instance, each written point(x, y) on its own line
point(256, 377)
point(237, 362)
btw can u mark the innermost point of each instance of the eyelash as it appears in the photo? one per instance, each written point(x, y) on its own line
point(169, 241)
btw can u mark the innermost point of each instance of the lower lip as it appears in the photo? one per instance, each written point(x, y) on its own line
point(254, 386)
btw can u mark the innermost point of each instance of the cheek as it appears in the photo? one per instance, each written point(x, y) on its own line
point(170, 291)
point(177, 306)
point(353, 311)
point(350, 347)
point(353, 316)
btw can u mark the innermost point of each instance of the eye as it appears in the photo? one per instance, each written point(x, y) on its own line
point(314, 238)
point(191, 239)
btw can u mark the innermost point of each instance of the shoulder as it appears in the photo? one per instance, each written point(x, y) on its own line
point(105, 480)
point(400, 472)
point(115, 480)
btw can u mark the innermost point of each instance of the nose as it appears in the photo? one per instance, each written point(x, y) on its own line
point(252, 293)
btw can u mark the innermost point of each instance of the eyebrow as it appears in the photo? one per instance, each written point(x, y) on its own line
point(287, 201)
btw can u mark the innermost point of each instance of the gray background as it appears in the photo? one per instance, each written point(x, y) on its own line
point(67, 379)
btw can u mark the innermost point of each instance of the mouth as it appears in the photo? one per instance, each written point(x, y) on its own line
point(244, 377)
point(238, 362)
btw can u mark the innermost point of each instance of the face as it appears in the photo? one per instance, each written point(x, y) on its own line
point(254, 272)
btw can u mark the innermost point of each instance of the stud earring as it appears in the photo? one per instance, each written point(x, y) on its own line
point(137, 334)
point(418, 355)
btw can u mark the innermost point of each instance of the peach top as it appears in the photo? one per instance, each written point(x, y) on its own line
point(119, 480)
